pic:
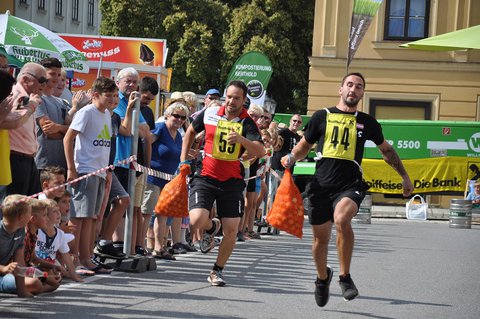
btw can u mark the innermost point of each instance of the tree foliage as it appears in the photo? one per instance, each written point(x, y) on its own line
point(205, 38)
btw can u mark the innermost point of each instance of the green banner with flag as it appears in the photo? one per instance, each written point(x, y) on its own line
point(255, 69)
point(362, 15)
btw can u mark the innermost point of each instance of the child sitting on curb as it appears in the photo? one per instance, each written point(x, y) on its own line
point(39, 220)
point(52, 242)
point(16, 214)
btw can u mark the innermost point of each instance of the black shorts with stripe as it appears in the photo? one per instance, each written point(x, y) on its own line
point(228, 195)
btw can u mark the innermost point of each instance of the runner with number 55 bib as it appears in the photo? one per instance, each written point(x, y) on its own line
point(229, 132)
point(337, 189)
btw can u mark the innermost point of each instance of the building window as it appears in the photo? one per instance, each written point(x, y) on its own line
point(41, 4)
point(75, 10)
point(58, 7)
point(23, 2)
point(400, 110)
point(91, 10)
point(406, 19)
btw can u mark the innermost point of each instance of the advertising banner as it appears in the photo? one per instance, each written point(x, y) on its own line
point(120, 49)
point(426, 139)
point(255, 69)
point(428, 175)
point(362, 15)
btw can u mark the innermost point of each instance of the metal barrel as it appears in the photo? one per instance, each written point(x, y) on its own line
point(460, 213)
point(364, 215)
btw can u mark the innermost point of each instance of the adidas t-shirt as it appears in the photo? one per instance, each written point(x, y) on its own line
point(92, 144)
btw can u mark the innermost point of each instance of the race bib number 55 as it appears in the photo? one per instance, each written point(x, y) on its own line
point(221, 148)
point(340, 136)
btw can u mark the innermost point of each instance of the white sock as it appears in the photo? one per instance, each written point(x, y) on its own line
point(183, 232)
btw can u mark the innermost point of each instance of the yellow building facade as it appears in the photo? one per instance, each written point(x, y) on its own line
point(401, 83)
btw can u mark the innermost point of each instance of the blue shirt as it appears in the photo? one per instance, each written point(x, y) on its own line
point(124, 143)
point(165, 153)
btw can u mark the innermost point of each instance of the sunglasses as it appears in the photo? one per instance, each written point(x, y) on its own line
point(265, 117)
point(40, 80)
point(297, 121)
point(178, 116)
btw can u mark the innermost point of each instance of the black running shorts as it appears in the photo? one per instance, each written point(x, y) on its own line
point(322, 200)
point(204, 191)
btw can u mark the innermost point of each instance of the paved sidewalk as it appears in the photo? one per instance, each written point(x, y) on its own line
point(403, 269)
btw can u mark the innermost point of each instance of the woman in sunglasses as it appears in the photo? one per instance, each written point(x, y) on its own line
point(166, 148)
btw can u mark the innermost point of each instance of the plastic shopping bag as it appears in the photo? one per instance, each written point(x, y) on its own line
point(287, 209)
point(173, 200)
point(416, 210)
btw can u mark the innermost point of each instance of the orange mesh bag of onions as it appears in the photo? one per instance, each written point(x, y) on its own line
point(173, 200)
point(287, 209)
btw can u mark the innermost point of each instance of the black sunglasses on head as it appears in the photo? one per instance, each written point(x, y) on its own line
point(40, 80)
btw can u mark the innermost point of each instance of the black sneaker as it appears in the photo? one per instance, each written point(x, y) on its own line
point(177, 249)
point(118, 245)
point(322, 288)
point(349, 291)
point(140, 251)
point(188, 248)
point(109, 250)
point(240, 236)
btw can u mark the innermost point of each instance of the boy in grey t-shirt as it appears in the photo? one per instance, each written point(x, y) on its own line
point(16, 214)
point(91, 130)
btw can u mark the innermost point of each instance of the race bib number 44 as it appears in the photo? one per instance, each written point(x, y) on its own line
point(221, 148)
point(340, 136)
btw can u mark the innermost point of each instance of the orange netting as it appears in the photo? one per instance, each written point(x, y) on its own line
point(287, 209)
point(173, 200)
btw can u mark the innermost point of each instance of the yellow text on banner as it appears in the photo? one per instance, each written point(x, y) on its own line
point(440, 174)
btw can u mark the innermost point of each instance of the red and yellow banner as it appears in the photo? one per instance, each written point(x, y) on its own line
point(142, 51)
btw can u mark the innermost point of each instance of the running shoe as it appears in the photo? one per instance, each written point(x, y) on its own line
point(216, 278)
point(140, 251)
point(240, 236)
point(187, 247)
point(109, 250)
point(322, 288)
point(254, 235)
point(208, 241)
point(349, 291)
point(196, 245)
point(177, 249)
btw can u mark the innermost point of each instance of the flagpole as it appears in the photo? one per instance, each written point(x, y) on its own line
point(350, 34)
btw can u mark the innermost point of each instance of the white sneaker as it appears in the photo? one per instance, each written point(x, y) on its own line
point(216, 278)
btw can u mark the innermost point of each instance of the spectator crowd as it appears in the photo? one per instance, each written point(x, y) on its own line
point(57, 216)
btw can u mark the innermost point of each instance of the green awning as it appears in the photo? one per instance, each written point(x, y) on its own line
point(468, 38)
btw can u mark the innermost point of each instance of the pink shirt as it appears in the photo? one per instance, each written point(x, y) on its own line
point(24, 138)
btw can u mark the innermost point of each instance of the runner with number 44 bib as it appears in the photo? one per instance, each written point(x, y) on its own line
point(229, 132)
point(337, 189)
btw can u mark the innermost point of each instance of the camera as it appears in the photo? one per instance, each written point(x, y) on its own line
point(23, 102)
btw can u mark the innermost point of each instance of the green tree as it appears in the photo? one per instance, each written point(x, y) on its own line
point(205, 37)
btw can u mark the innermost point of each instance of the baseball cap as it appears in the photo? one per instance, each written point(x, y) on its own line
point(213, 92)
